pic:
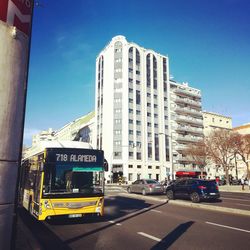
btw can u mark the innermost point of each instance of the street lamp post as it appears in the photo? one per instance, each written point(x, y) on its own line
point(170, 137)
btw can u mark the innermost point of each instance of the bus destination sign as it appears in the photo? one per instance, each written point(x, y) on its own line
point(82, 156)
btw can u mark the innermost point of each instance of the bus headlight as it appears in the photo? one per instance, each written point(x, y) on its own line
point(46, 204)
point(100, 202)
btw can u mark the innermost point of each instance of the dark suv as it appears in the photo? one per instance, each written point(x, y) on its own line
point(194, 189)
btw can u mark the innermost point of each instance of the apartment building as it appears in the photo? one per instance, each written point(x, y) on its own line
point(243, 129)
point(212, 121)
point(81, 129)
point(186, 123)
point(134, 123)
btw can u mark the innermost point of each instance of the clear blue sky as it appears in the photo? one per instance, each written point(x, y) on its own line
point(207, 41)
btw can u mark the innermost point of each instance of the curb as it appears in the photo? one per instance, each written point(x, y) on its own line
point(189, 204)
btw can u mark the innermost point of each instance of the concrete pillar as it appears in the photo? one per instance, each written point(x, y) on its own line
point(14, 50)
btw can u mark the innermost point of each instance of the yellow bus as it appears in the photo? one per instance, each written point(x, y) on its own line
point(62, 178)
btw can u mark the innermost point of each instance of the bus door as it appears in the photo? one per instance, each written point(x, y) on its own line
point(37, 189)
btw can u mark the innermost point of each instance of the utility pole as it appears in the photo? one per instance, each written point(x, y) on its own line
point(15, 28)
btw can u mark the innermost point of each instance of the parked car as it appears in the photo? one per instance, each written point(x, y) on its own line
point(194, 189)
point(146, 186)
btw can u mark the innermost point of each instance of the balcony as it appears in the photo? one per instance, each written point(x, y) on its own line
point(189, 129)
point(188, 119)
point(185, 110)
point(187, 92)
point(183, 159)
point(187, 138)
point(180, 147)
point(193, 103)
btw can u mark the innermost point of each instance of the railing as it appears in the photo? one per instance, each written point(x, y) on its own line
point(187, 138)
point(189, 129)
point(188, 101)
point(189, 119)
point(188, 111)
point(187, 92)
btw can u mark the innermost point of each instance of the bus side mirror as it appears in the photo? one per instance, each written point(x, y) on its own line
point(105, 165)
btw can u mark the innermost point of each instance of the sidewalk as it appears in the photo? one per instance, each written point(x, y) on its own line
point(234, 188)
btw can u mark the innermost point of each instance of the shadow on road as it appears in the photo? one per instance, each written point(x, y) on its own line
point(121, 216)
point(46, 238)
point(118, 209)
point(166, 242)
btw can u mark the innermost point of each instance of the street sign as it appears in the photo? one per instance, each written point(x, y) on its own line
point(17, 13)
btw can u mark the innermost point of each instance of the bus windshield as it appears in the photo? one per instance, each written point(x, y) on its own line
point(71, 179)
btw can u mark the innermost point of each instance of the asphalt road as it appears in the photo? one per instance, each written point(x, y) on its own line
point(227, 199)
point(131, 223)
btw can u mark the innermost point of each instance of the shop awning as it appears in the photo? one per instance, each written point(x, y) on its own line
point(189, 173)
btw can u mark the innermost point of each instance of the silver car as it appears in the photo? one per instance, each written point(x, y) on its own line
point(146, 186)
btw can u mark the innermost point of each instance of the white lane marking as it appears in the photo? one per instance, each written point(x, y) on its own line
point(157, 211)
point(234, 228)
point(149, 236)
point(113, 222)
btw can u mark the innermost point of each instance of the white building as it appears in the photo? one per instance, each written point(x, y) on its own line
point(186, 123)
point(133, 114)
point(213, 121)
point(80, 129)
point(45, 135)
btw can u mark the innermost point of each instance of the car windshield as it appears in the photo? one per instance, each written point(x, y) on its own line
point(152, 182)
point(73, 179)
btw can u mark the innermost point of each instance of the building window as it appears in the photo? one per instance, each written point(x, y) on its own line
point(130, 177)
point(138, 132)
point(149, 167)
point(130, 121)
point(138, 122)
point(131, 132)
point(130, 111)
point(118, 121)
point(138, 97)
point(138, 112)
point(130, 100)
point(138, 166)
point(131, 154)
point(157, 167)
point(150, 176)
point(117, 143)
point(130, 166)
point(130, 90)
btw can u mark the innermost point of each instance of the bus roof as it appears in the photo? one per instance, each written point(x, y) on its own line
point(41, 146)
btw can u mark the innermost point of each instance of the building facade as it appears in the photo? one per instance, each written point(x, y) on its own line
point(80, 129)
point(186, 123)
point(212, 121)
point(134, 97)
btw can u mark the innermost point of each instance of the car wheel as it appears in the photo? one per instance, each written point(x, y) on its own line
point(129, 190)
point(144, 192)
point(195, 198)
point(170, 195)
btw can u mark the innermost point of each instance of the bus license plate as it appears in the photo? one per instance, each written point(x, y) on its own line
point(75, 215)
point(212, 193)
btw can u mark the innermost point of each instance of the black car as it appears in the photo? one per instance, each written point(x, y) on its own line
point(194, 189)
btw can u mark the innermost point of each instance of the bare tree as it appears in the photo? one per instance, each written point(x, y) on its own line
point(197, 154)
point(221, 146)
point(243, 150)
